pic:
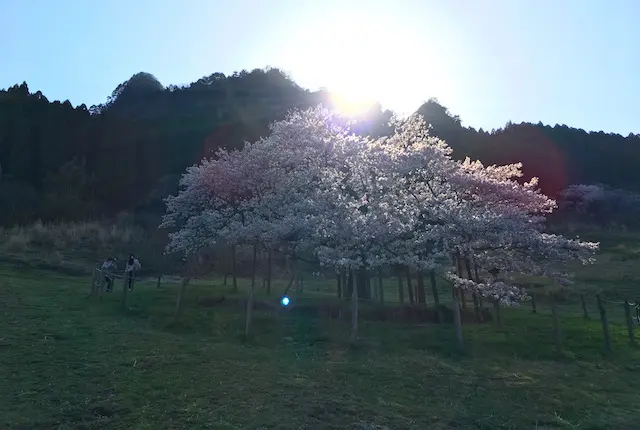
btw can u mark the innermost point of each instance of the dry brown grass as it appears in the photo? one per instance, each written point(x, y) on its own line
point(60, 241)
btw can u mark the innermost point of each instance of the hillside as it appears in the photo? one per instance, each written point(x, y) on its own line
point(65, 162)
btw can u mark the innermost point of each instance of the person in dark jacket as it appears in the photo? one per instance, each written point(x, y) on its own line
point(133, 265)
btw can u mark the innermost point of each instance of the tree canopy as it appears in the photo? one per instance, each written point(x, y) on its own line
point(359, 203)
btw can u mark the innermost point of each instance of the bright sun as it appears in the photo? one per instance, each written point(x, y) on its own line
point(359, 62)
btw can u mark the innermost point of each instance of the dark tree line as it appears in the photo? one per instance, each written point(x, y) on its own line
point(63, 163)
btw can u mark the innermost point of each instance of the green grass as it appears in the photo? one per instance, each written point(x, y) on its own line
point(71, 362)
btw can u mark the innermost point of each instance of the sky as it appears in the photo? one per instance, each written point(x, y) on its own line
point(574, 62)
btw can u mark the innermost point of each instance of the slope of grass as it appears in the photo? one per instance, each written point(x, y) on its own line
point(71, 362)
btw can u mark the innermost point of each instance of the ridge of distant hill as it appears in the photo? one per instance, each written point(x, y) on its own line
point(63, 162)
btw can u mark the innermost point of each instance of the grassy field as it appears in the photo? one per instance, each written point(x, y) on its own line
point(71, 362)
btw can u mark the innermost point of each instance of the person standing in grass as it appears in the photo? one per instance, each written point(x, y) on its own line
point(107, 269)
point(133, 265)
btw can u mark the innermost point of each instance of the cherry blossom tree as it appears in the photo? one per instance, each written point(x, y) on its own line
point(312, 187)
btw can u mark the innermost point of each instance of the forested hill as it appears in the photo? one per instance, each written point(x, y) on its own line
point(61, 162)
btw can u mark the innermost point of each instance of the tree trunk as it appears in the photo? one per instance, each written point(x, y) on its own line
point(557, 336)
point(534, 309)
point(410, 287)
point(182, 294)
point(605, 324)
point(475, 270)
point(339, 284)
point(422, 296)
point(474, 296)
point(458, 261)
point(234, 269)
point(496, 307)
point(362, 284)
point(350, 280)
point(476, 307)
point(159, 281)
point(269, 269)
point(460, 293)
point(380, 287)
point(401, 289)
point(585, 314)
point(247, 326)
point(434, 288)
point(286, 290)
point(224, 282)
point(354, 314)
point(373, 291)
point(457, 320)
point(627, 314)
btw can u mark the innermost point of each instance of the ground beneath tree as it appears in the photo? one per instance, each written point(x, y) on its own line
point(368, 311)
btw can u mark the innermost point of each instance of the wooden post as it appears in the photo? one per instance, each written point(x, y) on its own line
point(476, 307)
point(125, 290)
point(269, 270)
point(354, 314)
point(534, 309)
point(556, 323)
point(434, 288)
point(373, 284)
point(585, 314)
point(93, 282)
point(422, 296)
point(496, 307)
point(457, 320)
point(380, 287)
point(350, 285)
point(460, 293)
point(436, 296)
point(627, 314)
point(286, 290)
point(605, 324)
point(410, 287)
point(182, 295)
point(247, 325)
point(233, 269)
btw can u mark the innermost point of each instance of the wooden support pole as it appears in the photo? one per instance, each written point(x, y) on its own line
point(380, 287)
point(557, 336)
point(269, 270)
point(457, 319)
point(125, 291)
point(93, 282)
point(605, 324)
point(627, 314)
point(410, 286)
point(585, 314)
point(496, 308)
point(534, 309)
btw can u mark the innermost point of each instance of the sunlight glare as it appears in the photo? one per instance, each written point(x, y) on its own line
point(362, 60)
